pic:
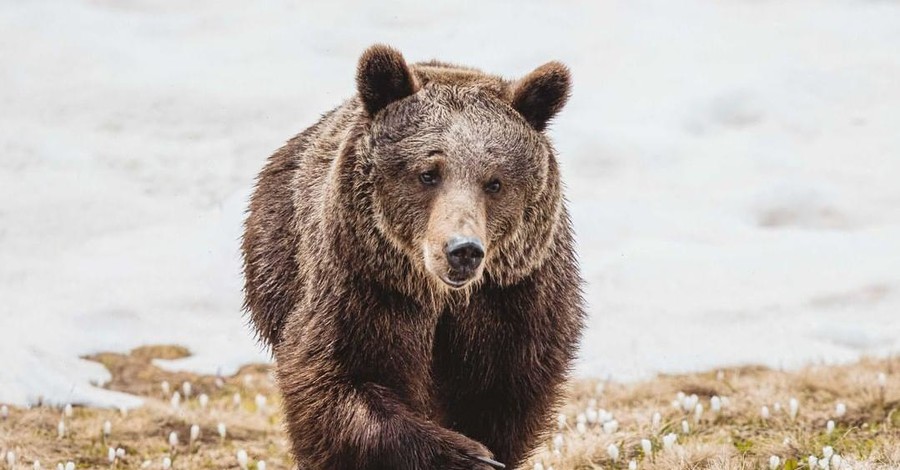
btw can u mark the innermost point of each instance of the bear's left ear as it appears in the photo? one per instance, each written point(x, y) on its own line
point(383, 77)
point(542, 93)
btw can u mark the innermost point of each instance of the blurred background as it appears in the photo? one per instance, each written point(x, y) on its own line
point(733, 169)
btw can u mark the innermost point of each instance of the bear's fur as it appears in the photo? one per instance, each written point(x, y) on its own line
point(386, 356)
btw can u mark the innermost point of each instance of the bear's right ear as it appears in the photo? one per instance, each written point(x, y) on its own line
point(383, 77)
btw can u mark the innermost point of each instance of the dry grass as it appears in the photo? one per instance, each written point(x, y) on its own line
point(867, 436)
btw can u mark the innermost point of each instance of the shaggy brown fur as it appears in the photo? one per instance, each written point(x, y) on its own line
point(388, 356)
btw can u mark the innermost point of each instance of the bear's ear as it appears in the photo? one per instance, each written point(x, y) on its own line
point(542, 93)
point(383, 77)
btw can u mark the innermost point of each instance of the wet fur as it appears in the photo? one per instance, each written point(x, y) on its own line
point(381, 366)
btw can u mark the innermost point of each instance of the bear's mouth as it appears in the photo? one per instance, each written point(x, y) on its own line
point(458, 280)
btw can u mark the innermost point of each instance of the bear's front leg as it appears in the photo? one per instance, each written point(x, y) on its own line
point(357, 392)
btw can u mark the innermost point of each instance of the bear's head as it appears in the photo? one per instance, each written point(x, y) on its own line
point(463, 179)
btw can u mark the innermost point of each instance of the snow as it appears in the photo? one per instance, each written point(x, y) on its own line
point(732, 169)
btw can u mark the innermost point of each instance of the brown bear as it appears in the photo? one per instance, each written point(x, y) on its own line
point(410, 261)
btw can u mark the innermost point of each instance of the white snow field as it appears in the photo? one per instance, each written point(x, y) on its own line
point(733, 169)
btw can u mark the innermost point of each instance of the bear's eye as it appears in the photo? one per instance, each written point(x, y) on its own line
point(429, 178)
point(493, 186)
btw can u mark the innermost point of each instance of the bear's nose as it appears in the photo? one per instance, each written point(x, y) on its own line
point(464, 253)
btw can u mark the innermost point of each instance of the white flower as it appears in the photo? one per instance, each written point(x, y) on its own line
point(669, 440)
point(61, 429)
point(176, 400)
point(70, 465)
point(236, 400)
point(242, 458)
point(655, 420)
point(764, 412)
point(591, 415)
point(558, 441)
point(776, 407)
point(632, 465)
point(221, 429)
point(120, 453)
point(793, 408)
point(882, 379)
point(561, 421)
point(836, 461)
point(598, 389)
point(813, 461)
point(260, 403)
point(824, 463)
point(173, 439)
point(107, 428)
point(581, 418)
point(647, 447)
point(165, 388)
point(10, 458)
point(581, 428)
point(167, 463)
point(111, 455)
point(774, 462)
point(827, 451)
point(68, 411)
point(60, 466)
point(829, 427)
point(261, 465)
point(204, 400)
point(538, 466)
point(186, 389)
point(610, 427)
point(147, 464)
point(685, 427)
point(715, 404)
point(36, 465)
point(840, 410)
point(4, 412)
point(604, 416)
point(195, 432)
point(698, 412)
point(613, 451)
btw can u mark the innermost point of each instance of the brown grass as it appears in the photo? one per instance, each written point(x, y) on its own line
point(867, 436)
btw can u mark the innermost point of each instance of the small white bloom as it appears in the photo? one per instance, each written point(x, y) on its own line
point(592, 403)
point(68, 411)
point(764, 412)
point(165, 388)
point(669, 440)
point(242, 458)
point(610, 427)
point(123, 411)
point(10, 458)
point(786, 441)
point(581, 428)
point(774, 462)
point(236, 400)
point(186, 389)
point(111, 455)
point(538, 466)
point(715, 404)
point(613, 451)
point(592, 415)
point(173, 439)
point(195, 432)
point(167, 463)
point(698, 412)
point(647, 447)
point(120, 453)
point(632, 465)
point(836, 461)
point(812, 461)
point(827, 451)
point(36, 465)
point(147, 464)
point(176, 400)
point(793, 408)
point(60, 466)
point(107, 428)
point(4, 412)
point(685, 427)
point(260, 403)
point(561, 421)
point(840, 410)
point(221, 429)
point(581, 418)
point(824, 463)
point(882, 379)
point(204, 400)
point(558, 441)
point(656, 420)
point(604, 416)
point(829, 427)
point(261, 465)
point(776, 407)
point(70, 465)
point(598, 389)
point(61, 429)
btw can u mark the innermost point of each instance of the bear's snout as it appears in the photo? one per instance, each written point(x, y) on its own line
point(464, 255)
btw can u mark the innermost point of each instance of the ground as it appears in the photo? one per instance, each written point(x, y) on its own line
point(866, 435)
